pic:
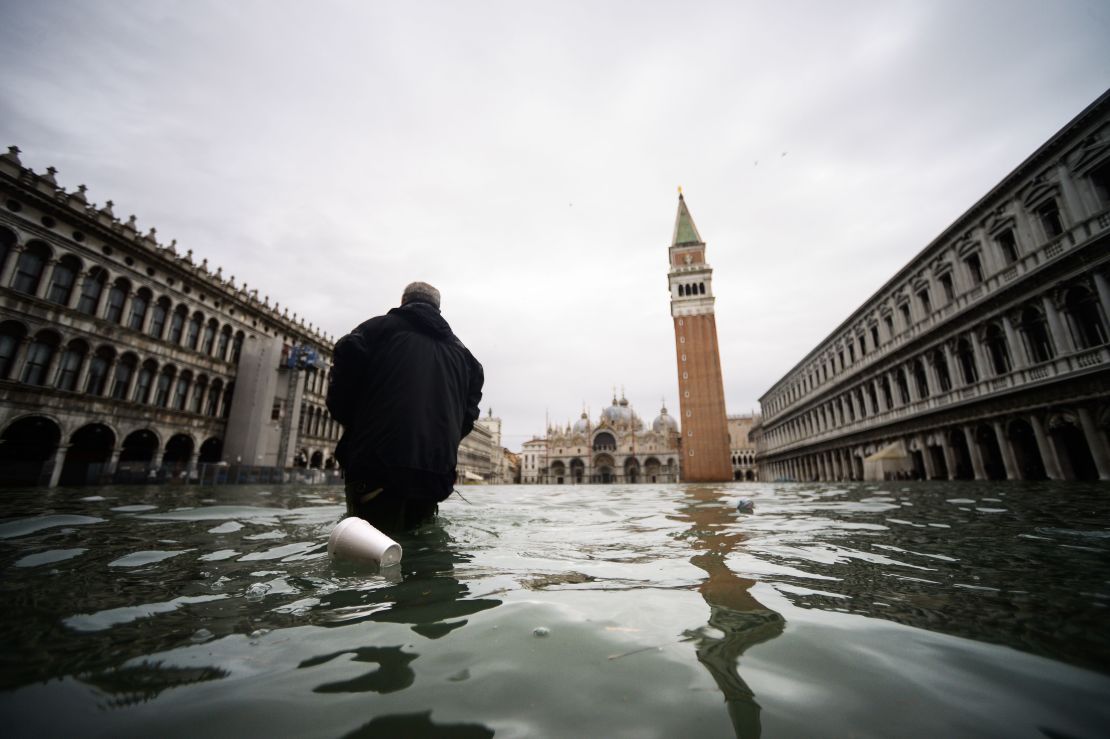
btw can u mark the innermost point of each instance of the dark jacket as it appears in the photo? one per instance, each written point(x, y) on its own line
point(406, 391)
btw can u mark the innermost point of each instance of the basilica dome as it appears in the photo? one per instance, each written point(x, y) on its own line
point(618, 413)
point(664, 422)
point(582, 425)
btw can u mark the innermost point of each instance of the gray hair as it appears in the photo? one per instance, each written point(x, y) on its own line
point(420, 292)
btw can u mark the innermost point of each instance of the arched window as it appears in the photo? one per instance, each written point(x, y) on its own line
point(198, 394)
point(117, 295)
point(192, 335)
point(69, 367)
point(7, 243)
point(999, 352)
point(177, 324)
point(11, 334)
point(98, 371)
point(920, 378)
point(91, 289)
point(225, 340)
point(209, 337)
point(139, 305)
point(124, 370)
point(885, 385)
point(214, 393)
point(903, 386)
point(1083, 316)
point(144, 381)
point(162, 387)
point(940, 366)
point(181, 392)
point(39, 355)
point(28, 270)
point(62, 280)
point(701, 288)
point(1034, 330)
point(158, 315)
point(236, 347)
point(966, 355)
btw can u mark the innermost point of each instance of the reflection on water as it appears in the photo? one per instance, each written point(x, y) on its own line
point(974, 609)
point(736, 619)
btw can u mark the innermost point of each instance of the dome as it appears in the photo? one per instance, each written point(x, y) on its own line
point(582, 425)
point(664, 422)
point(617, 413)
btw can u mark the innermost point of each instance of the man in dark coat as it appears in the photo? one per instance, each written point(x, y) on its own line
point(406, 391)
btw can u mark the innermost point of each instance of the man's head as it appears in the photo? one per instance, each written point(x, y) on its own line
point(420, 292)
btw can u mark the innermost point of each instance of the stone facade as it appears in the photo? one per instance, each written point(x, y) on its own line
point(476, 456)
point(701, 390)
point(742, 447)
point(986, 356)
point(122, 358)
point(615, 449)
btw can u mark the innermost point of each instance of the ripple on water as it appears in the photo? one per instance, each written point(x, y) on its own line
point(138, 559)
point(49, 557)
point(24, 526)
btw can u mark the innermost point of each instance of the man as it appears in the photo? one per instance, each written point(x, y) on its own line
point(406, 391)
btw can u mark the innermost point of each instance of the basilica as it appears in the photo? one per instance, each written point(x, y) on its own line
point(618, 448)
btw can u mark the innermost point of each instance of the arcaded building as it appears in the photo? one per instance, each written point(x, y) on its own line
point(617, 448)
point(122, 358)
point(986, 356)
point(742, 446)
point(701, 390)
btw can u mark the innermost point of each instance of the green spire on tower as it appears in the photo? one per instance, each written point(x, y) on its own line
point(685, 232)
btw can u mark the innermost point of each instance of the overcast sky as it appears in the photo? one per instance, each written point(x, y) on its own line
point(524, 158)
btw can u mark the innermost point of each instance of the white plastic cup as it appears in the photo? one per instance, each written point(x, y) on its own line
point(355, 539)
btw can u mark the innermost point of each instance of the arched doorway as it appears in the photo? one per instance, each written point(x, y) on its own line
point(90, 453)
point(603, 464)
point(25, 448)
point(991, 452)
point(961, 456)
point(1071, 448)
point(1024, 443)
point(211, 450)
point(652, 470)
point(136, 456)
point(179, 449)
point(749, 476)
point(631, 470)
point(317, 460)
point(577, 471)
point(558, 472)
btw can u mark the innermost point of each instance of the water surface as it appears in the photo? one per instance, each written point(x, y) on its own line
point(894, 609)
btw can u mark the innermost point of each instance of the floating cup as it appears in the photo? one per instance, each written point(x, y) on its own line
point(355, 539)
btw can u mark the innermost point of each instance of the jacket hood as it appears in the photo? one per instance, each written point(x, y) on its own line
point(425, 317)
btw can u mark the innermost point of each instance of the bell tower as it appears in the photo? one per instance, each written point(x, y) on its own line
point(701, 392)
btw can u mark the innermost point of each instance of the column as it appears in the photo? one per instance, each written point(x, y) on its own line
point(9, 267)
point(911, 382)
point(926, 458)
point(129, 396)
point(59, 463)
point(953, 370)
point(125, 316)
point(145, 328)
point(1017, 347)
point(102, 300)
point(191, 466)
point(976, 456)
point(879, 397)
point(83, 373)
point(75, 294)
point(949, 455)
point(1103, 289)
point(1096, 440)
point(113, 461)
point(45, 279)
point(1008, 458)
point(1057, 331)
point(20, 358)
point(981, 364)
point(1048, 451)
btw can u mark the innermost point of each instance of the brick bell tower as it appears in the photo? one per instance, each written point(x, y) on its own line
point(701, 391)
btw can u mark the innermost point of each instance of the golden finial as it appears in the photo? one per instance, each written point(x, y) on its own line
point(680, 189)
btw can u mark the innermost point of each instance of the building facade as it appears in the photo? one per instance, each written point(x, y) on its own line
point(986, 356)
point(123, 359)
point(742, 447)
point(615, 449)
point(700, 383)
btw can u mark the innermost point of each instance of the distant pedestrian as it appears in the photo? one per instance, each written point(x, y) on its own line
point(406, 391)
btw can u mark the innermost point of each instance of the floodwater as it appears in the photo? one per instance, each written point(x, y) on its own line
point(869, 610)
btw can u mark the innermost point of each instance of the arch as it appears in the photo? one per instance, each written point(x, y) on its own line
point(316, 461)
point(91, 289)
point(26, 446)
point(961, 454)
point(940, 366)
point(991, 452)
point(577, 471)
point(163, 386)
point(749, 476)
point(994, 338)
point(1087, 325)
point(62, 279)
point(177, 324)
point(7, 245)
point(29, 267)
point(197, 398)
point(69, 366)
point(192, 332)
point(209, 337)
point(125, 370)
point(40, 352)
point(100, 363)
point(1034, 331)
point(603, 468)
point(215, 392)
point(701, 288)
point(558, 472)
point(179, 449)
point(181, 390)
point(145, 381)
point(604, 441)
point(966, 358)
point(920, 378)
point(1027, 453)
point(117, 296)
point(237, 346)
point(1066, 435)
point(223, 342)
point(632, 470)
point(158, 314)
point(136, 458)
point(140, 303)
point(211, 450)
point(89, 455)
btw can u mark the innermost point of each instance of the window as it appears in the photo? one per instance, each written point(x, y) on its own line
point(1007, 244)
point(926, 305)
point(903, 388)
point(213, 403)
point(940, 366)
point(90, 291)
point(69, 366)
point(966, 356)
point(143, 383)
point(28, 269)
point(181, 392)
point(1100, 178)
point(237, 347)
point(904, 309)
point(158, 318)
point(974, 268)
point(1083, 315)
point(221, 346)
point(945, 281)
point(98, 374)
point(116, 296)
point(177, 325)
point(209, 337)
point(198, 395)
point(61, 282)
point(1034, 330)
point(874, 337)
point(275, 412)
point(38, 357)
point(139, 305)
point(997, 349)
point(889, 321)
point(193, 333)
point(1049, 215)
point(162, 388)
point(124, 370)
point(921, 379)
